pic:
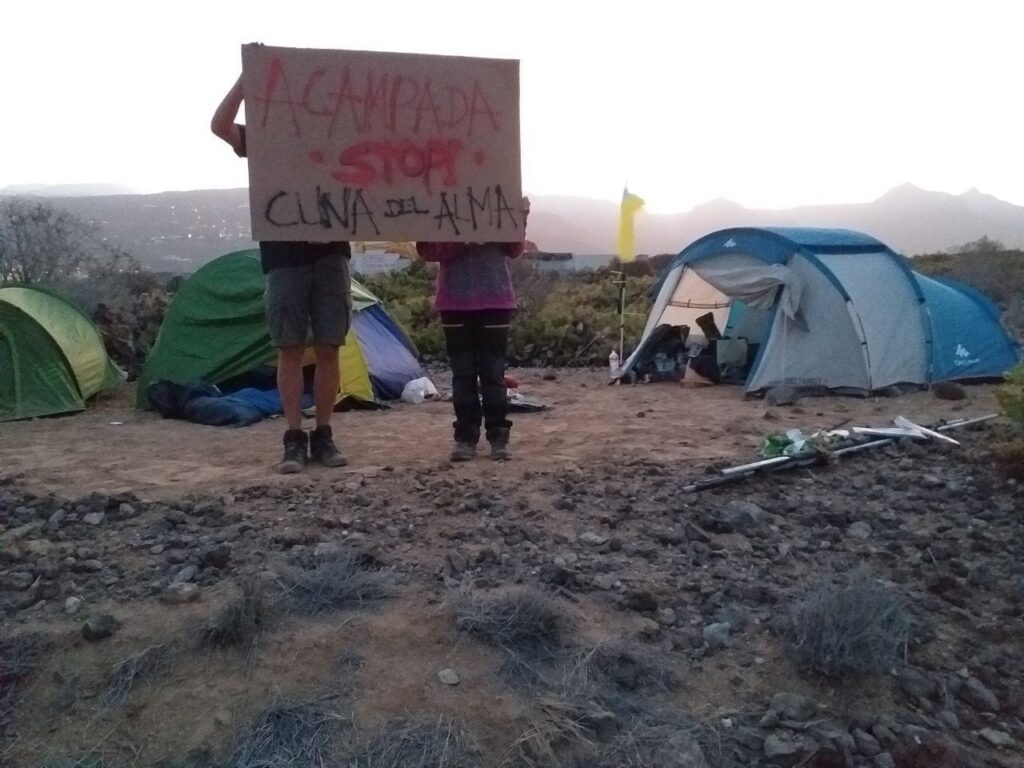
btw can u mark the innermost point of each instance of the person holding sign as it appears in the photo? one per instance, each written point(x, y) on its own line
point(475, 298)
point(308, 285)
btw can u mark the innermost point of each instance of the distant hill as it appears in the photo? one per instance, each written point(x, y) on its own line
point(181, 231)
point(908, 219)
point(64, 190)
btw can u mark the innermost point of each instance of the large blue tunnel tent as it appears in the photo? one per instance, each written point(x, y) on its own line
point(825, 309)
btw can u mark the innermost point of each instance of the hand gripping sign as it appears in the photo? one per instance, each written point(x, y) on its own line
point(357, 145)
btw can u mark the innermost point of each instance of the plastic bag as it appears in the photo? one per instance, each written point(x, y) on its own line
point(418, 390)
point(795, 443)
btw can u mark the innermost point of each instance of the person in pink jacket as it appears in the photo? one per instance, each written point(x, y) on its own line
point(476, 301)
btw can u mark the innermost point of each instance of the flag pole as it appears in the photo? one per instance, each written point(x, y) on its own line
point(622, 316)
point(627, 253)
point(622, 299)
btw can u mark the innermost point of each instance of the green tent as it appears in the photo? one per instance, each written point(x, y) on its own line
point(215, 330)
point(52, 358)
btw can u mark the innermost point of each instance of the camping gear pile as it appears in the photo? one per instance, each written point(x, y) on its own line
point(795, 449)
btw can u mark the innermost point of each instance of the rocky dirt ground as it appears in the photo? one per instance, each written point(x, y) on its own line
point(667, 618)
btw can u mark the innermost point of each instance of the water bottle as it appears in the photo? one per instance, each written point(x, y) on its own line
point(613, 365)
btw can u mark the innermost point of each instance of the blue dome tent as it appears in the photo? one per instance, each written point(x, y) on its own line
point(825, 309)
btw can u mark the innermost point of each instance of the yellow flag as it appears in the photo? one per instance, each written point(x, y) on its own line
point(630, 205)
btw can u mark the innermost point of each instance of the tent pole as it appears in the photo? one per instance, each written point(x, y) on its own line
point(742, 471)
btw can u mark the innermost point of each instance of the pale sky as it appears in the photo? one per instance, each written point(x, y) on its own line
point(770, 103)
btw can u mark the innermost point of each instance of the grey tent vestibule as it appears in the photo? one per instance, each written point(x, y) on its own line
point(825, 309)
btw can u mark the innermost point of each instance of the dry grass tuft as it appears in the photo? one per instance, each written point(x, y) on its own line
point(125, 675)
point(19, 659)
point(82, 761)
point(525, 622)
point(241, 622)
point(403, 743)
point(337, 582)
point(286, 734)
point(557, 730)
point(630, 666)
point(646, 742)
point(857, 629)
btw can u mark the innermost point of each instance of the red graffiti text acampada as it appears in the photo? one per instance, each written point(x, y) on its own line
point(375, 102)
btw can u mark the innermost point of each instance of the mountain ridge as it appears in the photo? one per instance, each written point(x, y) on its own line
point(182, 230)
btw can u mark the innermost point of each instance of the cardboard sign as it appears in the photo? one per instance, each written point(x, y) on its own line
point(355, 145)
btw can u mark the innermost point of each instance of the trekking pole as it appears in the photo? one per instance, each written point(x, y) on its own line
point(739, 472)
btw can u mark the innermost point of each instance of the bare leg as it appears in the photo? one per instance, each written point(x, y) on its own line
point(289, 384)
point(325, 383)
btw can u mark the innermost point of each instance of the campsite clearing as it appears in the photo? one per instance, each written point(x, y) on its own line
point(591, 614)
point(113, 448)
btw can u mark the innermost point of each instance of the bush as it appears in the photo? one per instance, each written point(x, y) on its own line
point(339, 581)
point(857, 629)
point(1008, 455)
point(241, 622)
point(564, 319)
point(125, 675)
point(403, 743)
point(557, 728)
point(285, 734)
point(523, 622)
point(1011, 396)
point(19, 659)
point(1007, 449)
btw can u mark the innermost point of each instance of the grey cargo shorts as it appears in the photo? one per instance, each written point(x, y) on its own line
point(309, 300)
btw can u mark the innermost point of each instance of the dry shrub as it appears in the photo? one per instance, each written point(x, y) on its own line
point(1008, 456)
point(524, 622)
point(631, 666)
point(557, 728)
point(19, 659)
point(650, 743)
point(404, 743)
point(531, 629)
point(1007, 449)
point(242, 620)
point(80, 761)
point(128, 673)
point(857, 629)
point(286, 734)
point(565, 732)
point(337, 582)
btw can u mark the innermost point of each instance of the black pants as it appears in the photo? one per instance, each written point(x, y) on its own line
point(477, 343)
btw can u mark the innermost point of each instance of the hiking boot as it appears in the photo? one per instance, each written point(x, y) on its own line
point(295, 447)
point(323, 450)
point(463, 452)
point(499, 445)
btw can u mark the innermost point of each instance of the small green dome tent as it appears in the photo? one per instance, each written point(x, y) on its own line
point(215, 330)
point(52, 357)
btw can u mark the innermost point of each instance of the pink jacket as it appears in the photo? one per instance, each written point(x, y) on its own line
point(472, 276)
